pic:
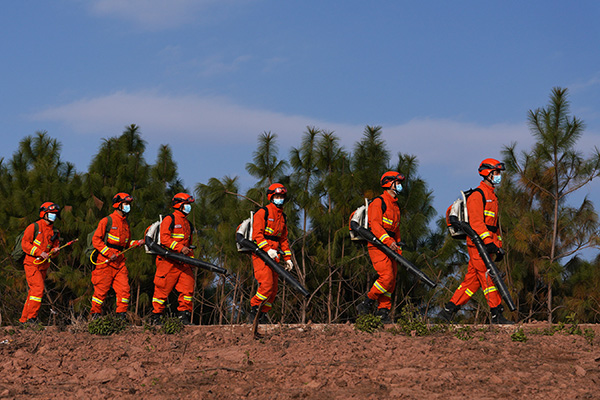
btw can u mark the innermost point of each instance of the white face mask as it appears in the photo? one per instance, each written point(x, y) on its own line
point(278, 202)
point(496, 179)
point(398, 188)
point(126, 208)
point(186, 208)
point(51, 217)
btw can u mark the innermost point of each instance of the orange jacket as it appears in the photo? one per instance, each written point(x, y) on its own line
point(385, 225)
point(176, 232)
point(272, 233)
point(117, 239)
point(35, 243)
point(484, 220)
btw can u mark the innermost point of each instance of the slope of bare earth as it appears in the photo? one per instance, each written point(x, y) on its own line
point(318, 361)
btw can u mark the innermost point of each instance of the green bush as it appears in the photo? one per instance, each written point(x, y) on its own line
point(172, 325)
point(368, 323)
point(519, 336)
point(107, 325)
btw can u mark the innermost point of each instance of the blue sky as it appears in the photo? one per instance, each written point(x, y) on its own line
point(449, 82)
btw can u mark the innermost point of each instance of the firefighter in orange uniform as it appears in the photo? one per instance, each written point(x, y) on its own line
point(40, 242)
point(384, 222)
point(110, 239)
point(482, 208)
point(176, 235)
point(269, 231)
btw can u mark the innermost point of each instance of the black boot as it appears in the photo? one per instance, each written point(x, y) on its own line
point(185, 317)
point(156, 319)
point(252, 314)
point(121, 316)
point(384, 314)
point(498, 317)
point(366, 307)
point(262, 319)
point(447, 313)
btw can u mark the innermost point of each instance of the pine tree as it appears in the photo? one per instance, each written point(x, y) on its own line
point(551, 172)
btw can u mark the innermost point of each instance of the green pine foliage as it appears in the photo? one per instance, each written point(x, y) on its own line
point(325, 182)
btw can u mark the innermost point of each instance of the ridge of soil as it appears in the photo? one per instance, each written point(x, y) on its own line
point(299, 361)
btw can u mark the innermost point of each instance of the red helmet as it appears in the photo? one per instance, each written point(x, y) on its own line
point(276, 188)
point(489, 165)
point(182, 198)
point(121, 198)
point(389, 178)
point(48, 207)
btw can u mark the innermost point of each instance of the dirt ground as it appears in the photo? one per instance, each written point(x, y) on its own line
point(295, 362)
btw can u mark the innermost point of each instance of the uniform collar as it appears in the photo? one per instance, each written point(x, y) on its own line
point(116, 214)
point(389, 196)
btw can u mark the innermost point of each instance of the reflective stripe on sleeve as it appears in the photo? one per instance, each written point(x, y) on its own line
point(489, 290)
point(384, 236)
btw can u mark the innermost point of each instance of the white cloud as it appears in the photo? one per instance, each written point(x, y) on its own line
point(444, 143)
point(157, 14)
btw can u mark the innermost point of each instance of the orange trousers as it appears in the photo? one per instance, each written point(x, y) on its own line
point(168, 276)
point(267, 284)
point(385, 284)
point(475, 278)
point(35, 275)
point(104, 276)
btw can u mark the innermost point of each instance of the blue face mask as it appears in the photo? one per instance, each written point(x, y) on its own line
point(278, 202)
point(126, 208)
point(186, 208)
point(398, 188)
point(496, 179)
point(51, 217)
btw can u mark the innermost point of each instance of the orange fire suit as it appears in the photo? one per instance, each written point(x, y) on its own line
point(34, 243)
point(175, 233)
point(111, 273)
point(269, 231)
point(386, 227)
point(484, 221)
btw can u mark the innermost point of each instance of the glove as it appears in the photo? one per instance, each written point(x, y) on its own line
point(44, 255)
point(54, 251)
point(140, 242)
point(289, 265)
point(500, 255)
point(491, 248)
point(273, 254)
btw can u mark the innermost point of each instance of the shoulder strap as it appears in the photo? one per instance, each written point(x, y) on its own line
point(383, 205)
point(266, 213)
point(108, 227)
point(482, 195)
point(172, 224)
point(36, 228)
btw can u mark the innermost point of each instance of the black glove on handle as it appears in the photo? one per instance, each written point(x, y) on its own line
point(492, 249)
